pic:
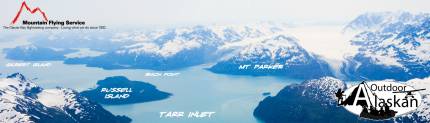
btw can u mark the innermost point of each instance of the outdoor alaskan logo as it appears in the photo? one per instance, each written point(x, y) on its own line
point(379, 100)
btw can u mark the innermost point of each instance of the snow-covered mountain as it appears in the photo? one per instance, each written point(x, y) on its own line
point(422, 114)
point(178, 47)
point(167, 43)
point(36, 53)
point(398, 48)
point(279, 49)
point(21, 100)
point(314, 101)
point(373, 21)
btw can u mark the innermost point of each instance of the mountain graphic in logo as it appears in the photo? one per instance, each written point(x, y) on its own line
point(32, 11)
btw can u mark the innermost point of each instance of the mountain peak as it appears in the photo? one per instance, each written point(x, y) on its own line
point(22, 101)
point(18, 76)
point(396, 48)
point(375, 20)
point(323, 87)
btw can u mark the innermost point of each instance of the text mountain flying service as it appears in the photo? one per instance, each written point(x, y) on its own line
point(54, 23)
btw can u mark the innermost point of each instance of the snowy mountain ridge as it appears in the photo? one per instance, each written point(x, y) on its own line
point(169, 42)
point(272, 47)
point(376, 21)
point(399, 48)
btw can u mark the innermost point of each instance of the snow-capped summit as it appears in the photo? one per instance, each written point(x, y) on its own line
point(395, 50)
point(18, 84)
point(232, 32)
point(168, 43)
point(21, 100)
point(278, 49)
point(373, 21)
point(322, 87)
point(272, 47)
point(17, 76)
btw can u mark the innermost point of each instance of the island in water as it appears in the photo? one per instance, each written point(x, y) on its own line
point(118, 90)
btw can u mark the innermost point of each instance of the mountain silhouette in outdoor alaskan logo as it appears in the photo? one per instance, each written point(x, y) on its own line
point(32, 11)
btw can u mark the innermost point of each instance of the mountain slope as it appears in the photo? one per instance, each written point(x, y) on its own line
point(398, 49)
point(272, 50)
point(23, 101)
point(314, 101)
point(373, 21)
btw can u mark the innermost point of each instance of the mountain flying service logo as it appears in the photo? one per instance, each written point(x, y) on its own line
point(379, 100)
point(45, 23)
point(32, 11)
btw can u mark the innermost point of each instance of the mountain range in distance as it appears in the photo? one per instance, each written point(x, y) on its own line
point(391, 45)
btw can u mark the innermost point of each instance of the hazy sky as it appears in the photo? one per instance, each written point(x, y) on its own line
point(178, 12)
